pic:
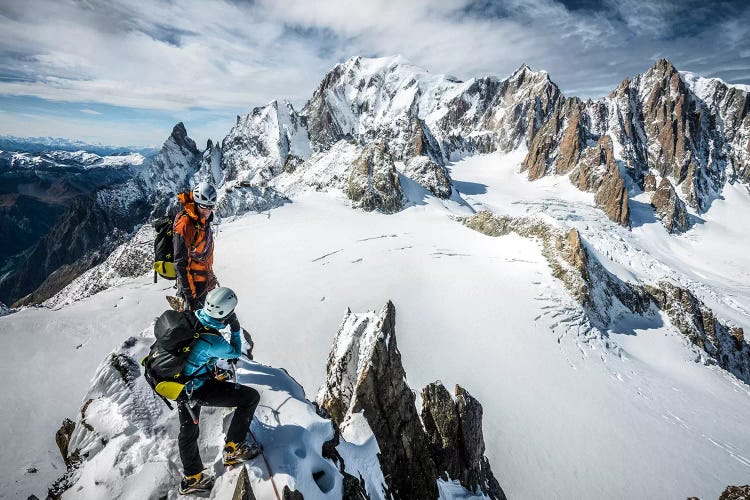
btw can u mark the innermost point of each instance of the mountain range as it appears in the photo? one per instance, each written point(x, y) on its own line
point(600, 230)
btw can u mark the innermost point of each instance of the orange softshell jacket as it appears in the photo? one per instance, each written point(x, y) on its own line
point(193, 247)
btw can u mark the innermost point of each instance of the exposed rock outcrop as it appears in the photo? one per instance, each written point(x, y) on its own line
point(257, 147)
point(365, 375)
point(670, 208)
point(373, 181)
point(62, 438)
point(723, 343)
point(649, 182)
point(429, 175)
point(736, 493)
point(588, 282)
point(598, 172)
point(366, 378)
point(454, 432)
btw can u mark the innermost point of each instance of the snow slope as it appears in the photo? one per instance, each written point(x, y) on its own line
point(567, 413)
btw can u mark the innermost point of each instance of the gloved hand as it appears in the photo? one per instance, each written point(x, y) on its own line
point(233, 322)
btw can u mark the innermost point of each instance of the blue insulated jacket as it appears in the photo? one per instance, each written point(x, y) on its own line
point(209, 348)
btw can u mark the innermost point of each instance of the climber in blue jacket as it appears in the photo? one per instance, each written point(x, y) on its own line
point(210, 387)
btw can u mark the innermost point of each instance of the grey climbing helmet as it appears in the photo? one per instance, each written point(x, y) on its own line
point(220, 302)
point(204, 194)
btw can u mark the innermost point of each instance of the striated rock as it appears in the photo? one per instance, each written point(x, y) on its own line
point(478, 472)
point(365, 375)
point(736, 493)
point(422, 143)
point(62, 438)
point(670, 208)
point(429, 175)
point(672, 131)
point(454, 431)
point(538, 158)
point(441, 423)
point(649, 183)
point(571, 144)
point(598, 172)
point(373, 181)
point(724, 344)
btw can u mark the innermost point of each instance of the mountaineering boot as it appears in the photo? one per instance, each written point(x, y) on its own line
point(237, 453)
point(196, 484)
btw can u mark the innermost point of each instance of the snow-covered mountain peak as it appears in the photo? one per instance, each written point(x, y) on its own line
point(525, 73)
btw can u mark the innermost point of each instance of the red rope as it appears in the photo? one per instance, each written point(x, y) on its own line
point(270, 474)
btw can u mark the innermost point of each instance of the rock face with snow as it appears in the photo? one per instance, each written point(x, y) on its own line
point(671, 133)
point(597, 172)
point(454, 433)
point(365, 377)
point(670, 208)
point(587, 280)
point(373, 181)
point(84, 236)
point(691, 130)
point(429, 175)
point(210, 167)
point(724, 344)
point(171, 170)
point(688, 130)
point(257, 147)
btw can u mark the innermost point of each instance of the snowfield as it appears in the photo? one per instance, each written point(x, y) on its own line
point(568, 413)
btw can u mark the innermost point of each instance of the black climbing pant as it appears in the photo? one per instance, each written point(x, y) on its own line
point(215, 393)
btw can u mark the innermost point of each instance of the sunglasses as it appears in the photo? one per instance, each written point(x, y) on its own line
point(206, 207)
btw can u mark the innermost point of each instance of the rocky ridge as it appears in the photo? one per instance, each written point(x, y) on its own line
point(603, 295)
point(692, 131)
point(695, 132)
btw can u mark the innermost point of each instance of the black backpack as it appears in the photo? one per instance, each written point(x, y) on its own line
point(164, 249)
point(175, 336)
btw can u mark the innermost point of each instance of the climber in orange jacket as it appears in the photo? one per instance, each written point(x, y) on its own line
point(194, 245)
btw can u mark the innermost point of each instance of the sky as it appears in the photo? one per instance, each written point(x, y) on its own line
point(123, 72)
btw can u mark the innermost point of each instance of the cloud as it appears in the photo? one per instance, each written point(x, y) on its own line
point(89, 111)
point(230, 56)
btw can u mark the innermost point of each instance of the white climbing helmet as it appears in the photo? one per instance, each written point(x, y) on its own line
point(220, 302)
point(204, 194)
